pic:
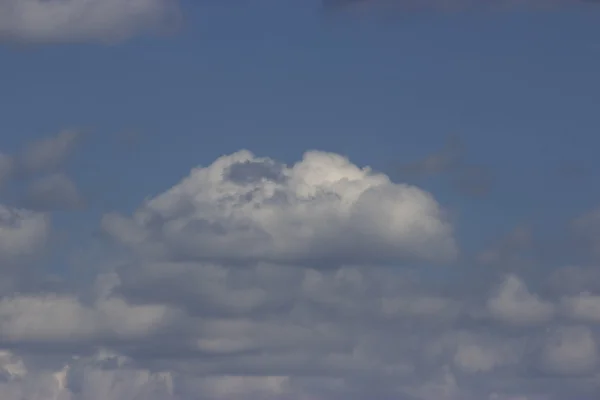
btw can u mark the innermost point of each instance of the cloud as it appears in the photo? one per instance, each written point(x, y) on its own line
point(53, 319)
point(82, 20)
point(570, 351)
point(448, 5)
point(54, 192)
point(446, 159)
point(254, 279)
point(23, 233)
point(85, 378)
point(585, 307)
point(49, 153)
point(514, 304)
point(586, 229)
point(322, 210)
point(469, 179)
point(6, 168)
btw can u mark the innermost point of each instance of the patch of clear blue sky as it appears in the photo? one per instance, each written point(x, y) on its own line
point(278, 78)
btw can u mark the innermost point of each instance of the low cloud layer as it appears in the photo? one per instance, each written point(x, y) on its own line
point(254, 279)
point(82, 20)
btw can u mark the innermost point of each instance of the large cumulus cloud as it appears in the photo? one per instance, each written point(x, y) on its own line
point(252, 279)
point(323, 209)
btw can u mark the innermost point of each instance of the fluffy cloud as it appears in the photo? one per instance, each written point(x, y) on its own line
point(23, 233)
point(514, 304)
point(82, 20)
point(252, 279)
point(84, 379)
point(570, 351)
point(63, 319)
point(321, 210)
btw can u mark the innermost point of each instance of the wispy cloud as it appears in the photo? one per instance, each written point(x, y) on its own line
point(450, 5)
point(451, 160)
point(46, 21)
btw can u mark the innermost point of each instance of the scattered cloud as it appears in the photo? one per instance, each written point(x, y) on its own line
point(251, 278)
point(586, 228)
point(54, 192)
point(514, 304)
point(22, 232)
point(570, 351)
point(47, 21)
point(6, 168)
point(468, 179)
point(49, 153)
point(448, 5)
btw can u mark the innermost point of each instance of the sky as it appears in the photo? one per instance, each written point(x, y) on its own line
point(299, 200)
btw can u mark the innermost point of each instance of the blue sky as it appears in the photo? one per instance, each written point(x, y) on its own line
point(282, 79)
point(518, 90)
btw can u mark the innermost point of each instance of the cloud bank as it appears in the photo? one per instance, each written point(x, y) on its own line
point(83, 20)
point(253, 279)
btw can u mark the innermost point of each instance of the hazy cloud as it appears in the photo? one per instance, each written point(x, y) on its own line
point(82, 20)
point(54, 192)
point(22, 233)
point(449, 5)
point(49, 153)
point(6, 168)
point(450, 160)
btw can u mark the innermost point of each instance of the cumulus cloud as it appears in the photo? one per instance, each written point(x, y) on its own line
point(23, 233)
point(255, 279)
point(570, 351)
point(82, 20)
point(63, 319)
point(514, 304)
point(323, 209)
point(86, 378)
point(584, 307)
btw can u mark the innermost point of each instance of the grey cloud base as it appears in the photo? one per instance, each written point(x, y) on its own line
point(250, 279)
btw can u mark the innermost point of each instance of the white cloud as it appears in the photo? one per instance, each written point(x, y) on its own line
point(250, 279)
point(86, 379)
point(584, 307)
point(570, 351)
point(514, 304)
point(23, 233)
point(234, 387)
point(323, 209)
point(54, 319)
point(82, 20)
point(477, 357)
